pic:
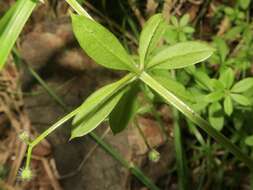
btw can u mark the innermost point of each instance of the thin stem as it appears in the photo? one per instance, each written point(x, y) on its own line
point(28, 157)
point(195, 118)
point(157, 116)
point(180, 156)
point(135, 122)
point(55, 126)
point(45, 86)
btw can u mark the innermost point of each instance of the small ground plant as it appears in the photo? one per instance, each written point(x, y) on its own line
point(168, 72)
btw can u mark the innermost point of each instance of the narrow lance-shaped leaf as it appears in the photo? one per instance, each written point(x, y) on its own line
point(175, 87)
point(152, 32)
point(214, 96)
point(101, 95)
point(227, 78)
point(181, 55)
point(203, 79)
point(124, 110)
point(6, 18)
point(14, 26)
point(100, 44)
point(243, 85)
point(97, 99)
point(92, 119)
point(215, 116)
point(249, 140)
point(200, 77)
point(184, 20)
point(228, 105)
point(240, 99)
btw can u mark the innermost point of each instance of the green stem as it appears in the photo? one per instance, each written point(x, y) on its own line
point(47, 132)
point(195, 118)
point(45, 86)
point(157, 116)
point(180, 158)
point(136, 124)
point(54, 127)
point(180, 155)
point(28, 157)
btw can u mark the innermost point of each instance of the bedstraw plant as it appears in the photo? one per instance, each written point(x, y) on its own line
point(117, 100)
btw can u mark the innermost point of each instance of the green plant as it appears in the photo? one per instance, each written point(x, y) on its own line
point(105, 49)
point(178, 30)
point(151, 71)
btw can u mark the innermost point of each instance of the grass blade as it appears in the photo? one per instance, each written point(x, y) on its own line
point(14, 26)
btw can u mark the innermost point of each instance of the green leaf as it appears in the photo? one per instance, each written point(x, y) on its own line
point(217, 85)
point(203, 79)
point(14, 26)
point(215, 116)
point(90, 121)
point(181, 55)
point(249, 140)
point(214, 96)
point(240, 99)
point(124, 110)
point(174, 21)
point(150, 35)
point(227, 78)
point(244, 4)
point(184, 20)
point(170, 35)
point(234, 33)
point(182, 36)
point(222, 48)
point(228, 105)
point(97, 100)
point(100, 44)
point(188, 30)
point(243, 85)
point(6, 18)
point(238, 120)
point(172, 85)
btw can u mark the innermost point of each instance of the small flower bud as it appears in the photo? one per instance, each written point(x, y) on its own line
point(26, 174)
point(154, 155)
point(24, 136)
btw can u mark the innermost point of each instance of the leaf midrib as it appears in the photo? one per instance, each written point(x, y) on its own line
point(152, 37)
point(111, 52)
